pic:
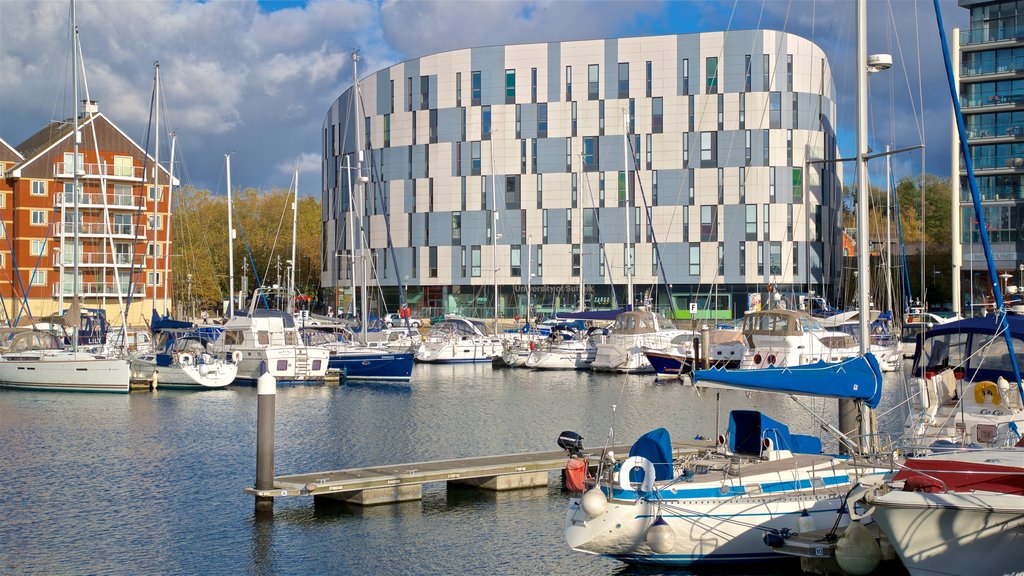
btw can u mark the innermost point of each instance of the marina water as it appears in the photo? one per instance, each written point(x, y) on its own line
point(151, 483)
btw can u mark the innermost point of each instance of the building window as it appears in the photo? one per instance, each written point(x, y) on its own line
point(743, 258)
point(432, 262)
point(796, 110)
point(600, 189)
point(544, 225)
point(516, 261)
point(574, 120)
point(743, 185)
point(798, 186)
point(743, 110)
point(464, 193)
point(568, 226)
point(475, 88)
point(689, 187)
point(789, 147)
point(533, 85)
point(154, 278)
point(39, 188)
point(600, 263)
point(589, 227)
point(474, 155)
point(39, 217)
point(760, 258)
point(568, 86)
point(533, 155)
point(721, 112)
point(37, 248)
point(387, 129)
point(568, 161)
point(650, 151)
point(623, 80)
point(647, 90)
point(789, 222)
point(458, 91)
point(540, 192)
point(456, 228)
point(512, 193)
point(789, 72)
point(657, 115)
point(542, 120)
point(593, 73)
point(600, 118)
point(775, 110)
point(765, 147)
point(721, 259)
point(721, 186)
point(540, 261)
point(765, 74)
point(708, 223)
point(796, 259)
point(463, 264)
point(771, 184)
point(433, 127)
point(686, 149)
point(746, 147)
point(413, 136)
point(775, 258)
point(408, 94)
point(575, 190)
point(155, 223)
point(424, 92)
point(746, 73)
point(155, 193)
point(510, 86)
point(767, 211)
point(708, 149)
point(485, 123)
point(38, 278)
point(591, 154)
point(576, 268)
point(686, 75)
point(751, 218)
point(711, 75)
point(694, 259)
point(690, 112)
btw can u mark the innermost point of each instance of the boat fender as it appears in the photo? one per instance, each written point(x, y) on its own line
point(857, 552)
point(987, 387)
point(185, 359)
point(660, 536)
point(757, 359)
point(594, 502)
point(771, 360)
point(647, 484)
point(236, 356)
point(204, 370)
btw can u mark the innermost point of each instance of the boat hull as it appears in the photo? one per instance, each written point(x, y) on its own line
point(66, 373)
point(953, 533)
point(372, 366)
point(191, 377)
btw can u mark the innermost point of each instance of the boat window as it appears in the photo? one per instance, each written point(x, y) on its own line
point(263, 337)
point(989, 353)
point(289, 339)
point(943, 351)
point(234, 338)
point(809, 324)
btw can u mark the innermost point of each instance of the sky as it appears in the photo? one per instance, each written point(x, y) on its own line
point(255, 79)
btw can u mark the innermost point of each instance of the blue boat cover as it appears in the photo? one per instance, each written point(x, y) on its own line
point(858, 378)
point(159, 323)
point(749, 428)
point(593, 314)
point(656, 446)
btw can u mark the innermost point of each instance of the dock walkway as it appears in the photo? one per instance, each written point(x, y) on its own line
point(404, 482)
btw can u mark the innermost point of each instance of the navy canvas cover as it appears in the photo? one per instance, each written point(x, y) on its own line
point(656, 446)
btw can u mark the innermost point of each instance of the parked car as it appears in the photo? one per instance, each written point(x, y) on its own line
point(395, 320)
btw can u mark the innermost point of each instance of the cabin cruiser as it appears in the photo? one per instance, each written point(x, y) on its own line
point(354, 361)
point(184, 359)
point(791, 338)
point(267, 340)
point(458, 339)
point(622, 348)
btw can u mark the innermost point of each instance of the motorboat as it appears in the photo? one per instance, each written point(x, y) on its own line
point(885, 344)
point(781, 338)
point(267, 340)
point(185, 359)
point(727, 347)
point(621, 347)
point(457, 339)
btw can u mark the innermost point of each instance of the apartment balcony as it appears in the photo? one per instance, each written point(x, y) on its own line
point(99, 200)
point(991, 70)
point(97, 259)
point(98, 289)
point(1008, 35)
point(100, 229)
point(64, 171)
point(994, 130)
point(993, 102)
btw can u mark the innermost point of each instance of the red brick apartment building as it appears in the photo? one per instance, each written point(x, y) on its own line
point(123, 218)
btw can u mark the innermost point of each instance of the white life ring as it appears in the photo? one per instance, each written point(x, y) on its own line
point(236, 356)
point(185, 359)
point(636, 462)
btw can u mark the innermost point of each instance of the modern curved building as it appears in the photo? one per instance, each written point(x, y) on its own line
point(509, 165)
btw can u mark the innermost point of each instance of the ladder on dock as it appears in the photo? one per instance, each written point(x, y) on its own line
point(404, 482)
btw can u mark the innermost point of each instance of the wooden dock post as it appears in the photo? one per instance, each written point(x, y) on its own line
point(266, 394)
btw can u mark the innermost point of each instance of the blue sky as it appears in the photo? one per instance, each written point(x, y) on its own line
point(256, 78)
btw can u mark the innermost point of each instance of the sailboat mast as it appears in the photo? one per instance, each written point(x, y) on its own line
point(351, 233)
point(627, 258)
point(579, 203)
point(156, 180)
point(231, 244)
point(888, 229)
point(359, 182)
point(494, 231)
point(170, 214)
point(295, 220)
point(77, 165)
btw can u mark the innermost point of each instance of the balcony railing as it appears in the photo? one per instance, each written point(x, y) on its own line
point(995, 129)
point(998, 66)
point(997, 161)
point(96, 259)
point(100, 229)
point(97, 288)
point(1010, 192)
point(95, 200)
point(983, 36)
point(992, 100)
point(65, 170)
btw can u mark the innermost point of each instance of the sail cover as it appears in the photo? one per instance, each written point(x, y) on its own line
point(857, 378)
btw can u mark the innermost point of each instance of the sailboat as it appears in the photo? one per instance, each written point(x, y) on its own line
point(40, 361)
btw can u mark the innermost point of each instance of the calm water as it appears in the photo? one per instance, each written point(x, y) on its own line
point(152, 482)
